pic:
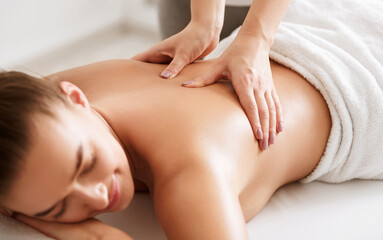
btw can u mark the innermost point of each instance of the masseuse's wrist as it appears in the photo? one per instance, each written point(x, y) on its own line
point(254, 41)
point(211, 30)
point(261, 34)
point(208, 15)
point(210, 20)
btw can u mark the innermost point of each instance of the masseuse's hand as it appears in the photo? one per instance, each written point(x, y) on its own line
point(246, 63)
point(194, 42)
point(88, 229)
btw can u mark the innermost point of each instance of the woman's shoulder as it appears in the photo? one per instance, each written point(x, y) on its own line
point(95, 67)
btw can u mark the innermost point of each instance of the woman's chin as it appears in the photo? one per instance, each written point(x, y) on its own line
point(120, 207)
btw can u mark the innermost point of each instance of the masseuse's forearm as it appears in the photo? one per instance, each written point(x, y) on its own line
point(210, 13)
point(263, 19)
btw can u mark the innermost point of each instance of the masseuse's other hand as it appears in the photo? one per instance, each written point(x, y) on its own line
point(246, 63)
point(194, 42)
point(88, 229)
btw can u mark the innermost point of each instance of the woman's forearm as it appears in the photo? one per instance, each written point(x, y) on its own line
point(209, 13)
point(263, 19)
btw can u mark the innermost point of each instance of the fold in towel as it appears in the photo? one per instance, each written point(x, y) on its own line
point(337, 46)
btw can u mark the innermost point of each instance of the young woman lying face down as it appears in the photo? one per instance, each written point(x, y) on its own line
point(100, 132)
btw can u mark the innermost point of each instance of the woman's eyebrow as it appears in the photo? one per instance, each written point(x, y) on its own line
point(79, 157)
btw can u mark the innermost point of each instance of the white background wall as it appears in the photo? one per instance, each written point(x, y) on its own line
point(30, 29)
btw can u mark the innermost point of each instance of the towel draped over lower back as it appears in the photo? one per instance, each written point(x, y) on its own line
point(337, 46)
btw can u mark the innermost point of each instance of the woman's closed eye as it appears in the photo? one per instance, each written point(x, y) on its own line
point(91, 165)
point(62, 211)
point(86, 171)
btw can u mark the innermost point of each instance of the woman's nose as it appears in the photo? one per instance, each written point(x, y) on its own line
point(94, 196)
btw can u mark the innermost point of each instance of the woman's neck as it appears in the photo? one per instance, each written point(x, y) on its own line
point(137, 167)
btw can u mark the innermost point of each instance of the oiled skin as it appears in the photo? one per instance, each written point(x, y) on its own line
point(168, 130)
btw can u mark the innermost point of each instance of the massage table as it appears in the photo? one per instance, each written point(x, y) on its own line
point(351, 210)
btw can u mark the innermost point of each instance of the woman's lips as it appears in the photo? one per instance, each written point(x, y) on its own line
point(114, 198)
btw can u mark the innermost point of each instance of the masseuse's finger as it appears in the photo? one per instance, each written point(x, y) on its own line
point(246, 97)
point(250, 107)
point(154, 55)
point(272, 117)
point(244, 87)
point(263, 111)
point(175, 66)
point(278, 108)
point(214, 74)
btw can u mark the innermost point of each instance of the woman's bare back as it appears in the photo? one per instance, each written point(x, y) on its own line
point(167, 128)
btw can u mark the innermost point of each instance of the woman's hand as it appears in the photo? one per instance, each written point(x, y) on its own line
point(194, 42)
point(88, 229)
point(246, 63)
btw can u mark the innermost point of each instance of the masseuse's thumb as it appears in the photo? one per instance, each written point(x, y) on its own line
point(174, 67)
point(214, 74)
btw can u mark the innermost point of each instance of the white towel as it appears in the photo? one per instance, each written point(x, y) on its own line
point(337, 46)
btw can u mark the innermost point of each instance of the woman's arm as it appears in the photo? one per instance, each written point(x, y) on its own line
point(197, 203)
point(88, 229)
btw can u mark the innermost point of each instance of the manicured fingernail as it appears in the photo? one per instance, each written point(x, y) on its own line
point(280, 127)
point(259, 133)
point(166, 74)
point(187, 83)
point(265, 144)
point(272, 138)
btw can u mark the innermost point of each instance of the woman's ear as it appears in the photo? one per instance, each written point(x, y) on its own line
point(74, 94)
